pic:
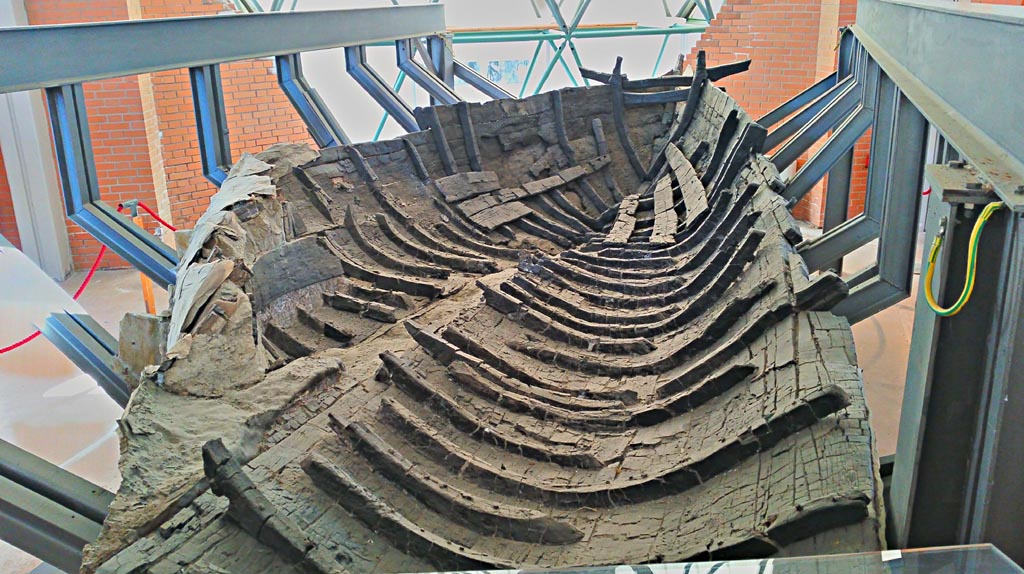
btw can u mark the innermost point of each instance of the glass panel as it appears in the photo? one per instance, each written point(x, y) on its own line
point(977, 559)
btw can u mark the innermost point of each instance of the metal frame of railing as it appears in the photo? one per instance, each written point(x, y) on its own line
point(917, 72)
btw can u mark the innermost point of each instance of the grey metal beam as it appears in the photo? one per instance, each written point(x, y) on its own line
point(489, 88)
point(838, 145)
point(804, 116)
point(53, 482)
point(996, 487)
point(828, 118)
point(873, 295)
point(319, 120)
point(821, 251)
point(949, 378)
point(970, 107)
point(897, 240)
point(91, 348)
point(837, 199)
point(798, 101)
point(49, 56)
point(77, 169)
point(439, 52)
point(211, 122)
point(886, 96)
point(383, 94)
point(42, 527)
point(438, 90)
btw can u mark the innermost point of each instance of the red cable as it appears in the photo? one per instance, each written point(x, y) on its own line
point(85, 282)
point(159, 219)
point(81, 288)
point(14, 346)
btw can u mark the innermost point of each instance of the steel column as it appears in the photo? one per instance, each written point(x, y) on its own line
point(949, 378)
point(898, 233)
point(383, 94)
point(211, 122)
point(829, 117)
point(439, 91)
point(73, 147)
point(439, 49)
point(322, 125)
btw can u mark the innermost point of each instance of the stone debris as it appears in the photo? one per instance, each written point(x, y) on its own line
point(466, 349)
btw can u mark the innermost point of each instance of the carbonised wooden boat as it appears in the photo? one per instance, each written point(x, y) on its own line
point(565, 330)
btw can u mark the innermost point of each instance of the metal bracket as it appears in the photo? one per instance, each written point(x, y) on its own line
point(211, 122)
point(322, 125)
point(405, 53)
point(91, 348)
point(959, 182)
point(365, 76)
point(77, 168)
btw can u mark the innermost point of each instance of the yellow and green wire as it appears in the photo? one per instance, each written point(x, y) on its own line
point(972, 264)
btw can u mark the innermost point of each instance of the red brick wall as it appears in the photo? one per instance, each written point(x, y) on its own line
point(258, 112)
point(782, 39)
point(812, 208)
point(8, 227)
point(779, 37)
point(115, 122)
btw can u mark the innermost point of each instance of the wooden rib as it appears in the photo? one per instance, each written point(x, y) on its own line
point(427, 118)
point(665, 217)
point(543, 325)
point(563, 137)
point(431, 255)
point(725, 136)
point(378, 253)
point(602, 148)
point(619, 116)
point(590, 487)
point(485, 515)
point(364, 168)
point(469, 136)
point(480, 428)
point(414, 157)
point(404, 533)
point(381, 279)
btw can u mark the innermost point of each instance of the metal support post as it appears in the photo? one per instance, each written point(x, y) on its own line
point(322, 125)
point(211, 122)
point(383, 94)
point(828, 118)
point(77, 169)
point(893, 276)
point(439, 49)
point(439, 91)
point(91, 348)
point(837, 146)
point(47, 511)
point(957, 476)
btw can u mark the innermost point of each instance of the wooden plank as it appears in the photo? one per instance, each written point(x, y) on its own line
point(625, 221)
point(665, 218)
point(694, 196)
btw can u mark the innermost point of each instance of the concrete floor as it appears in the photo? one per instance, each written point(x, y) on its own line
point(49, 407)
